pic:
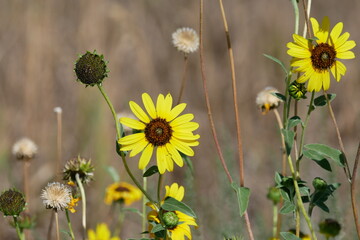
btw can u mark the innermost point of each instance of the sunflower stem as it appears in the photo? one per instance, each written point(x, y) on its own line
point(69, 224)
point(144, 200)
point(83, 200)
point(353, 192)
point(19, 232)
point(183, 82)
point(275, 220)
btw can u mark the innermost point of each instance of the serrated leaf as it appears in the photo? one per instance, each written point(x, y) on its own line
point(113, 173)
point(319, 159)
point(336, 155)
point(321, 100)
point(171, 204)
point(289, 236)
point(295, 120)
point(151, 171)
point(278, 62)
point(288, 207)
point(243, 195)
point(289, 139)
point(157, 228)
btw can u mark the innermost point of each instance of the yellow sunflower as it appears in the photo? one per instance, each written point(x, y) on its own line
point(177, 223)
point(102, 233)
point(317, 58)
point(161, 128)
point(122, 191)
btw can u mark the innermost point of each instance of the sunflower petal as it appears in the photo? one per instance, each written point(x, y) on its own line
point(138, 147)
point(346, 55)
point(297, 51)
point(186, 127)
point(138, 112)
point(303, 42)
point(175, 111)
point(167, 105)
point(341, 40)
point(134, 124)
point(160, 106)
point(182, 119)
point(161, 159)
point(146, 156)
point(182, 147)
point(149, 105)
point(130, 139)
point(338, 70)
point(175, 155)
point(335, 32)
point(346, 46)
point(186, 136)
point(326, 80)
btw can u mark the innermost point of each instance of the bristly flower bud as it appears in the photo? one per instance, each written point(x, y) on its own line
point(170, 219)
point(274, 195)
point(319, 184)
point(12, 202)
point(24, 149)
point(91, 68)
point(297, 90)
point(79, 166)
point(329, 227)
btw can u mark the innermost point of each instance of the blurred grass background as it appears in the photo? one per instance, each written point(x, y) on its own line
point(40, 41)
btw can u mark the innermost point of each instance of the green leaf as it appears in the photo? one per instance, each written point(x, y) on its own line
point(157, 228)
point(295, 120)
point(279, 96)
point(243, 195)
point(277, 61)
point(289, 236)
point(285, 195)
point(171, 204)
point(319, 159)
point(151, 171)
point(288, 207)
point(278, 178)
point(188, 162)
point(133, 210)
point(321, 100)
point(113, 173)
point(289, 139)
point(328, 152)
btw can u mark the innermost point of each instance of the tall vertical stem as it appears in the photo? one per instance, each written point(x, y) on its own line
point(57, 225)
point(183, 81)
point(353, 192)
point(83, 200)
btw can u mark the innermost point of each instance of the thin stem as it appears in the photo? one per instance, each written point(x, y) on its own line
point(308, 14)
point(26, 167)
point(332, 115)
point(283, 147)
point(69, 224)
point(18, 230)
point(297, 228)
point(235, 100)
point(275, 220)
point(207, 100)
point(83, 200)
point(183, 82)
point(300, 203)
point(353, 192)
point(120, 221)
point(58, 111)
point(144, 200)
point(159, 187)
point(296, 12)
point(49, 232)
point(57, 225)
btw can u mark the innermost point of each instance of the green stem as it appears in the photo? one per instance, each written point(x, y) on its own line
point(69, 224)
point(302, 137)
point(275, 219)
point(144, 200)
point(120, 221)
point(19, 232)
point(296, 12)
point(299, 200)
point(159, 187)
point(118, 132)
point(83, 200)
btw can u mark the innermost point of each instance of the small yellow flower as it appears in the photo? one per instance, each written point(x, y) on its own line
point(123, 192)
point(163, 130)
point(102, 233)
point(183, 222)
point(73, 203)
point(317, 58)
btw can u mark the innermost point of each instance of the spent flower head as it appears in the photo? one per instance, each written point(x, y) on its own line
point(185, 40)
point(318, 57)
point(266, 100)
point(12, 202)
point(24, 149)
point(329, 227)
point(161, 129)
point(56, 196)
point(80, 166)
point(91, 68)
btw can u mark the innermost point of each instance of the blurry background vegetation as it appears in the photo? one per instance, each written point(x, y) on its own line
point(40, 41)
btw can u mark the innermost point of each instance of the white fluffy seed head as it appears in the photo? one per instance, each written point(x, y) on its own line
point(56, 196)
point(186, 40)
point(24, 149)
point(266, 100)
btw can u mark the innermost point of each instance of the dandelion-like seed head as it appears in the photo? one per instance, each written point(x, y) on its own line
point(24, 149)
point(56, 196)
point(79, 166)
point(266, 100)
point(186, 40)
point(91, 69)
point(12, 202)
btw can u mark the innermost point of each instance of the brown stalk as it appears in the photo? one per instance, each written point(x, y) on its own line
point(59, 142)
point(353, 192)
point(183, 82)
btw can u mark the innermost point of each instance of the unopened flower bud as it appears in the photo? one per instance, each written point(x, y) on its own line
point(297, 90)
point(12, 202)
point(274, 195)
point(170, 219)
point(330, 227)
point(319, 184)
point(91, 69)
point(79, 166)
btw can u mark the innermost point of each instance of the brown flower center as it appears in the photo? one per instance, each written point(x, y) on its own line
point(122, 189)
point(323, 56)
point(158, 132)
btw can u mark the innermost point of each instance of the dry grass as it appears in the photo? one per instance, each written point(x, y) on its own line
point(40, 40)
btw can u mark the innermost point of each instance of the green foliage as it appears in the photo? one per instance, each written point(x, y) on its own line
point(188, 162)
point(293, 121)
point(327, 152)
point(321, 195)
point(151, 171)
point(321, 100)
point(289, 236)
point(171, 204)
point(243, 195)
point(289, 139)
point(278, 62)
point(318, 158)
